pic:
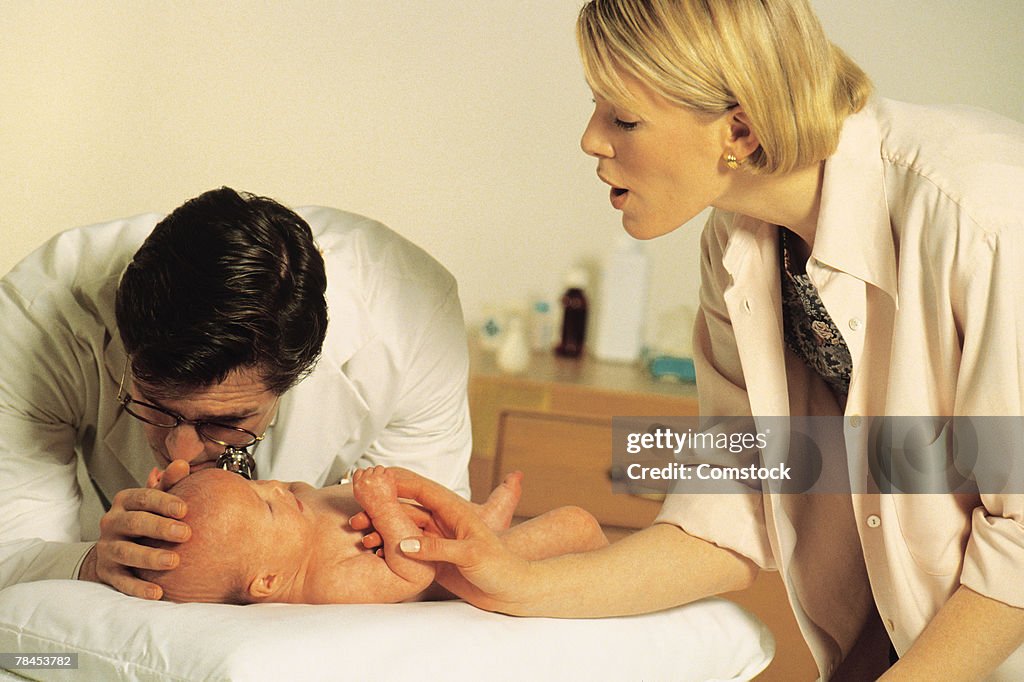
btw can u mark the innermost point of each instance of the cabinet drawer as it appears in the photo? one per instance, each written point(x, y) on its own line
point(589, 401)
point(565, 461)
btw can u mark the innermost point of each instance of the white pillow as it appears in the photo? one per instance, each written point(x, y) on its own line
point(119, 637)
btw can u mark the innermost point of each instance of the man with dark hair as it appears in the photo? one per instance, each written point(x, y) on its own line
point(212, 337)
point(225, 281)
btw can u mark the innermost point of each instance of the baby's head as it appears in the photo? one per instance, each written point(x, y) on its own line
point(248, 541)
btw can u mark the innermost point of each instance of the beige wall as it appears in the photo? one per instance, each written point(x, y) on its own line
point(455, 121)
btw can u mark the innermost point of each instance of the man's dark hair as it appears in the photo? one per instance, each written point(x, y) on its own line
point(227, 281)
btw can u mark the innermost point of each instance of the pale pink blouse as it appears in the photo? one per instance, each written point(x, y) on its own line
point(918, 258)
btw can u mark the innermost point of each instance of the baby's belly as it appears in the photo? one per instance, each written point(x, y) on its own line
point(333, 510)
point(347, 536)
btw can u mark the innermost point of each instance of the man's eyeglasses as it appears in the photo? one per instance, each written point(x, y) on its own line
point(222, 434)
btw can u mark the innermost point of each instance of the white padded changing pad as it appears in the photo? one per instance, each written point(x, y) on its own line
point(119, 637)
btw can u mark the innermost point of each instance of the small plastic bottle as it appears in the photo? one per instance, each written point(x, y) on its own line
point(542, 328)
point(574, 315)
point(492, 329)
point(514, 353)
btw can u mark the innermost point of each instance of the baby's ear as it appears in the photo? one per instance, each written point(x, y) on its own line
point(264, 586)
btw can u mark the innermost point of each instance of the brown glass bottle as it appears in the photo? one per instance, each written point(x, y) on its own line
point(574, 323)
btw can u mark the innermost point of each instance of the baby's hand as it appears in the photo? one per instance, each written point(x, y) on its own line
point(375, 488)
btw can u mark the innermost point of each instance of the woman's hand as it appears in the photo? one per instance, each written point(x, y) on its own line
point(650, 570)
point(482, 572)
point(372, 539)
point(136, 513)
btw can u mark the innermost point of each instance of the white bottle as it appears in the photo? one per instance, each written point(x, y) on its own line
point(622, 303)
point(542, 325)
point(514, 353)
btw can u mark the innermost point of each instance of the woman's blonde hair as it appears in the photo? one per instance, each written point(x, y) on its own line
point(770, 56)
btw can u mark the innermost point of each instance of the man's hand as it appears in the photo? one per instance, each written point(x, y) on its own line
point(165, 480)
point(139, 513)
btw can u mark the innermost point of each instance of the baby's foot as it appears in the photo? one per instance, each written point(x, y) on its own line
point(501, 504)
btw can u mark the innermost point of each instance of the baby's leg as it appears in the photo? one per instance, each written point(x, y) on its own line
point(496, 512)
point(501, 504)
point(565, 530)
point(376, 491)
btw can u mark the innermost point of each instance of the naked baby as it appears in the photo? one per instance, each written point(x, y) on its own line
point(268, 541)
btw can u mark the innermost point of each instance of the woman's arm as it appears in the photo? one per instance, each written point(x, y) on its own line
point(653, 569)
point(966, 640)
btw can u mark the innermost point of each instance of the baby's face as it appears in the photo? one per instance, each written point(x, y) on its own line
point(240, 528)
point(271, 523)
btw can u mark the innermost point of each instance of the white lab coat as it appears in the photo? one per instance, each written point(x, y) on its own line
point(390, 387)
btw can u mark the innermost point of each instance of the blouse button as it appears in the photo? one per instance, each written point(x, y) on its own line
point(855, 323)
point(874, 521)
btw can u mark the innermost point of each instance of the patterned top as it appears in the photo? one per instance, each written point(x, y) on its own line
point(809, 330)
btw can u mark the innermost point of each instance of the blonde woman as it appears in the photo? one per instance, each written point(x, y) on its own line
point(864, 258)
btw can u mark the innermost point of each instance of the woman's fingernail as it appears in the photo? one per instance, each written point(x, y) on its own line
point(167, 560)
point(179, 531)
point(409, 545)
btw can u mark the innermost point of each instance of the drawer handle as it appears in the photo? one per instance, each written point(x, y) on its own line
point(617, 474)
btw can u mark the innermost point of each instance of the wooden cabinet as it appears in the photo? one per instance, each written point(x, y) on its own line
point(554, 423)
point(565, 461)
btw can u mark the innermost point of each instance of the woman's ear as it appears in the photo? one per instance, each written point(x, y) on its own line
point(741, 139)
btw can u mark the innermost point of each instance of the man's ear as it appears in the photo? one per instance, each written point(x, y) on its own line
point(741, 139)
point(264, 586)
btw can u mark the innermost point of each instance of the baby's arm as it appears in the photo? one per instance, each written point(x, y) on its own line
point(377, 493)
